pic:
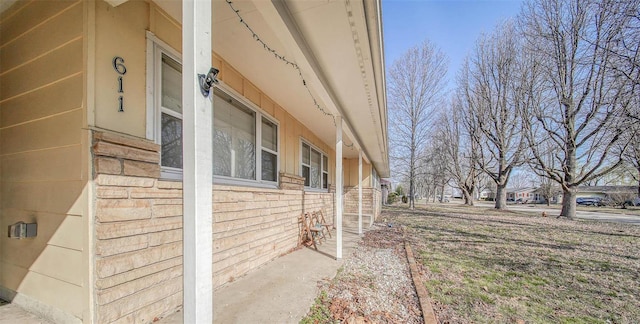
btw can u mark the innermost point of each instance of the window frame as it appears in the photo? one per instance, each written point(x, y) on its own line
point(322, 172)
point(259, 113)
point(155, 49)
point(375, 179)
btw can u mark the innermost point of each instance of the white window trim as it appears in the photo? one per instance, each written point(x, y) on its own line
point(322, 154)
point(155, 48)
point(217, 179)
point(375, 179)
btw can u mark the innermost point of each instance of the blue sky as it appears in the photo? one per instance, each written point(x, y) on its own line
point(453, 25)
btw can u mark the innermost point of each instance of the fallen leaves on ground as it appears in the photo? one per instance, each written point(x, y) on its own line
point(502, 267)
point(486, 266)
point(374, 285)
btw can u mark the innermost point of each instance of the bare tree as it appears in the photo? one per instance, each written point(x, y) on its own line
point(436, 171)
point(577, 108)
point(547, 187)
point(624, 15)
point(416, 85)
point(455, 139)
point(439, 177)
point(522, 179)
point(495, 80)
point(485, 183)
point(631, 153)
point(620, 176)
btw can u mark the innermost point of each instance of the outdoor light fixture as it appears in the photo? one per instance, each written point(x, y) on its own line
point(207, 81)
point(22, 230)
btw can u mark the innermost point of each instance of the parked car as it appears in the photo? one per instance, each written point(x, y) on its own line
point(521, 201)
point(590, 201)
point(631, 202)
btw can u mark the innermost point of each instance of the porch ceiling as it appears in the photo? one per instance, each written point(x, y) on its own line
point(337, 45)
point(345, 42)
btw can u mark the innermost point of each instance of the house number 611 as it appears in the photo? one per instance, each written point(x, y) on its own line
point(118, 65)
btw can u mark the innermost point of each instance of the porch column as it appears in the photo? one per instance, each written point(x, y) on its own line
point(197, 158)
point(360, 191)
point(339, 187)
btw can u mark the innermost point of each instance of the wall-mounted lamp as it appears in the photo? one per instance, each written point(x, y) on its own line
point(22, 230)
point(207, 81)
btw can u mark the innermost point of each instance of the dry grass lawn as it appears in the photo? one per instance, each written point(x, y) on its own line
point(486, 266)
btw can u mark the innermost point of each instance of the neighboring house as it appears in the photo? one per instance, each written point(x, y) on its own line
point(556, 197)
point(487, 194)
point(528, 194)
point(606, 192)
point(533, 195)
point(93, 100)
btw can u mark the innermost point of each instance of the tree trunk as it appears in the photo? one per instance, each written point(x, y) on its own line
point(568, 203)
point(412, 204)
point(501, 197)
point(468, 199)
point(638, 183)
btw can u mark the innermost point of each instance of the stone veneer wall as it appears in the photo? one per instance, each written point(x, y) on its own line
point(377, 203)
point(351, 200)
point(371, 203)
point(138, 223)
point(138, 232)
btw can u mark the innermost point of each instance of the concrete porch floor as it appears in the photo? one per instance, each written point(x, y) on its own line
point(281, 291)
point(11, 314)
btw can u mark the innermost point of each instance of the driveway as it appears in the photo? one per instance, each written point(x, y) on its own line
point(595, 214)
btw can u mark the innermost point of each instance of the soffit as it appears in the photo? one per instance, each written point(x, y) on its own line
point(345, 39)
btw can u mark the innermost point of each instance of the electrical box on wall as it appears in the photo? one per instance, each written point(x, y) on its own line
point(22, 230)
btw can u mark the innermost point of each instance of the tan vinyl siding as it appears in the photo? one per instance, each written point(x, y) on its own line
point(120, 32)
point(350, 173)
point(41, 155)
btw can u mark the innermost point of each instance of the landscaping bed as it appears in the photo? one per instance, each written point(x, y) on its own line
point(373, 286)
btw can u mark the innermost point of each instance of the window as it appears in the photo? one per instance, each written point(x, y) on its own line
point(245, 142)
point(234, 138)
point(269, 150)
point(315, 167)
point(171, 113)
point(375, 180)
point(164, 105)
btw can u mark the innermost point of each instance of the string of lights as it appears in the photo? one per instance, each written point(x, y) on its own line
point(280, 57)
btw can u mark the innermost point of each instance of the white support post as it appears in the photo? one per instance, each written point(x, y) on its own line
point(339, 187)
point(197, 156)
point(360, 191)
